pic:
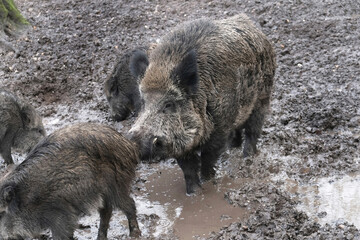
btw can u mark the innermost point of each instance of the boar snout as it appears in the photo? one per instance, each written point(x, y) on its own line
point(121, 116)
point(149, 147)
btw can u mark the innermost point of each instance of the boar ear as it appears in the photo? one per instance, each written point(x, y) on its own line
point(138, 64)
point(27, 114)
point(8, 193)
point(113, 87)
point(187, 73)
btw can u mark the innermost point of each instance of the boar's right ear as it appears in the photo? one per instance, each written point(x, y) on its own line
point(138, 64)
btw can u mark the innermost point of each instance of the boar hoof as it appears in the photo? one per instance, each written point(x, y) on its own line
point(207, 174)
point(192, 185)
point(135, 233)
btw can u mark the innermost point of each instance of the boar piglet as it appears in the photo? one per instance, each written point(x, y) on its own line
point(20, 125)
point(69, 173)
point(206, 82)
point(122, 89)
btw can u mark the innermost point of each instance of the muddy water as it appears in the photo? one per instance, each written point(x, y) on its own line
point(329, 200)
point(192, 216)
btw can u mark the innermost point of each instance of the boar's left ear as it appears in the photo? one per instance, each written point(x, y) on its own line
point(138, 64)
point(8, 193)
point(187, 73)
point(27, 113)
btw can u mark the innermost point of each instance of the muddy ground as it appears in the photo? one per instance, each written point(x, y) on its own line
point(310, 138)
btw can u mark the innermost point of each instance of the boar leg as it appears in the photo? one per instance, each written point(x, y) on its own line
point(62, 236)
point(128, 207)
point(210, 153)
point(105, 215)
point(189, 163)
point(253, 127)
point(5, 147)
point(62, 224)
point(237, 137)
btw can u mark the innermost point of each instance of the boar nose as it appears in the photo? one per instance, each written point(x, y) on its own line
point(119, 117)
point(157, 144)
point(148, 147)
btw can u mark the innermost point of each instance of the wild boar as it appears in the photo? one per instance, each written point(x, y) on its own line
point(20, 125)
point(207, 81)
point(69, 173)
point(122, 89)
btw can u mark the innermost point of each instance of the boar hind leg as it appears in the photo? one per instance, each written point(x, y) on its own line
point(128, 207)
point(253, 127)
point(105, 215)
point(210, 153)
point(189, 164)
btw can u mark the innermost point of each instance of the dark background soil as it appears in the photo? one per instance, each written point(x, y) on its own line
point(312, 131)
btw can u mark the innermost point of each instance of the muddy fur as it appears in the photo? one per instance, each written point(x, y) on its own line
point(122, 89)
point(20, 125)
point(206, 81)
point(71, 172)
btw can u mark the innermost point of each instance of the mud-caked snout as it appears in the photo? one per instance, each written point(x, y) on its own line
point(151, 148)
point(121, 115)
point(121, 108)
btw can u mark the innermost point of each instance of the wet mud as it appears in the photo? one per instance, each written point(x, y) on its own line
point(303, 183)
point(197, 215)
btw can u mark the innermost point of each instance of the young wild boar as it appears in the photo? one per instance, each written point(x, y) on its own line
point(69, 173)
point(204, 82)
point(20, 126)
point(122, 89)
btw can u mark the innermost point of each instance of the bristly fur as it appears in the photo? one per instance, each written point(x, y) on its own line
point(230, 92)
point(122, 88)
point(69, 173)
point(20, 125)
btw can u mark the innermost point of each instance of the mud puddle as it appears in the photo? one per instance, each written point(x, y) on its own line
point(329, 200)
point(190, 216)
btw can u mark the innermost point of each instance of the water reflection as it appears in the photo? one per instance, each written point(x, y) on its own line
point(330, 199)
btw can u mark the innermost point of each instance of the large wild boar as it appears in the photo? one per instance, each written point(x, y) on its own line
point(122, 89)
point(69, 173)
point(20, 126)
point(204, 82)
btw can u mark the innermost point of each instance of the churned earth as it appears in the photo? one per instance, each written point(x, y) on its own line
point(305, 181)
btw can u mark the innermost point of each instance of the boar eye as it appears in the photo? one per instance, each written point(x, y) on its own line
point(41, 131)
point(169, 107)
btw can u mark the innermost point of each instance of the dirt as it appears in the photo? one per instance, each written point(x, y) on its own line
point(310, 138)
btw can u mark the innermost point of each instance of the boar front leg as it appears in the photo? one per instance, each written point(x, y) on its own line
point(5, 147)
point(128, 207)
point(189, 163)
point(210, 153)
point(61, 236)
